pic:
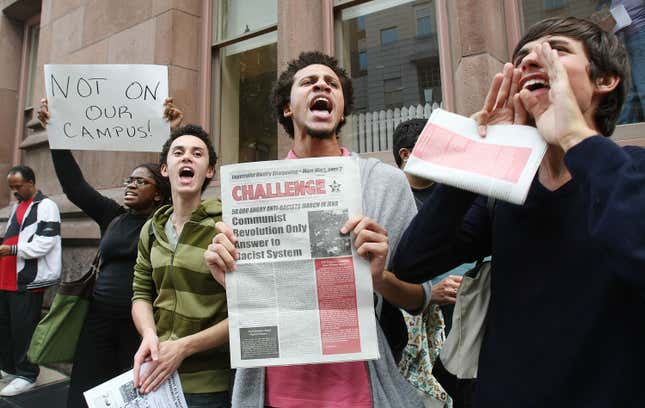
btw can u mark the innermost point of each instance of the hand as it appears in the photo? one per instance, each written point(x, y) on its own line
point(148, 351)
point(171, 355)
point(5, 250)
point(172, 114)
point(43, 114)
point(445, 292)
point(558, 118)
point(370, 241)
point(501, 105)
point(220, 256)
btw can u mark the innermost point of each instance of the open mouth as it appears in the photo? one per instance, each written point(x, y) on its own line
point(321, 105)
point(129, 193)
point(186, 174)
point(535, 84)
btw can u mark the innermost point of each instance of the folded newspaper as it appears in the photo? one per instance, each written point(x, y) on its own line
point(501, 165)
point(120, 392)
point(300, 294)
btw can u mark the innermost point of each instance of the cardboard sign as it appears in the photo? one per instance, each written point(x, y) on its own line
point(107, 107)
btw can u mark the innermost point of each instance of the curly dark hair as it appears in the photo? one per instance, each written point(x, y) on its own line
point(190, 130)
point(607, 56)
point(281, 93)
point(162, 183)
point(405, 136)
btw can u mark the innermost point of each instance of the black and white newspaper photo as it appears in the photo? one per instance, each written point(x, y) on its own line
point(300, 294)
point(120, 392)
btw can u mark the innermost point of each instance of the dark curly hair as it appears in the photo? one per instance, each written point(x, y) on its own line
point(161, 182)
point(405, 136)
point(607, 56)
point(190, 130)
point(281, 93)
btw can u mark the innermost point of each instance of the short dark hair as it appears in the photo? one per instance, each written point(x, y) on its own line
point(607, 56)
point(405, 136)
point(25, 171)
point(190, 130)
point(162, 183)
point(281, 93)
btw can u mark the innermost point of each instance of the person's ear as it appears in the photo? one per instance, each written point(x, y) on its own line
point(286, 112)
point(404, 153)
point(164, 170)
point(607, 83)
point(210, 172)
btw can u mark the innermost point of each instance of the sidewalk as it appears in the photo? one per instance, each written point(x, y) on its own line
point(50, 392)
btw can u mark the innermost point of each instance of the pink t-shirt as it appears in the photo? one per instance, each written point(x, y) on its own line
point(292, 155)
point(337, 385)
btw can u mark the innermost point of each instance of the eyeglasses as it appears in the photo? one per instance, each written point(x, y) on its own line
point(138, 181)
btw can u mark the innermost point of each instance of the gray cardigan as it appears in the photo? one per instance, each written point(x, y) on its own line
point(388, 200)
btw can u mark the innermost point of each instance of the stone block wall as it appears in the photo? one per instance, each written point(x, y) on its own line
point(166, 32)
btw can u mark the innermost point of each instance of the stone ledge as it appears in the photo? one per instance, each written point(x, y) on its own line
point(34, 140)
point(21, 10)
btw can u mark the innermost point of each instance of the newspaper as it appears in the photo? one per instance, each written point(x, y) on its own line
point(621, 17)
point(300, 294)
point(120, 392)
point(501, 165)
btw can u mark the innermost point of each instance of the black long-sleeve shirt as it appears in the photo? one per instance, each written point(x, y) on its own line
point(565, 323)
point(119, 238)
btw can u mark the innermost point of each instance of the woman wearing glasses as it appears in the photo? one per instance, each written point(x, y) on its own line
point(109, 339)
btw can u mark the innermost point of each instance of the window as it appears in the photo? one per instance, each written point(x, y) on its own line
point(244, 69)
point(424, 26)
point(362, 60)
point(554, 4)
point(631, 35)
point(33, 34)
point(247, 127)
point(25, 125)
point(238, 17)
point(389, 35)
point(429, 81)
point(392, 93)
point(424, 21)
point(394, 69)
point(360, 22)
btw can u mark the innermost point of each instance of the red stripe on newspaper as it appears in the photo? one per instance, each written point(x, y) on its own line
point(337, 304)
point(444, 147)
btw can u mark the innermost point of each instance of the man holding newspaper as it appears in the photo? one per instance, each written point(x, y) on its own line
point(575, 248)
point(311, 99)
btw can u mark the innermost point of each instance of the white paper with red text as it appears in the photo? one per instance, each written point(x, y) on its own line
point(300, 294)
point(501, 165)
